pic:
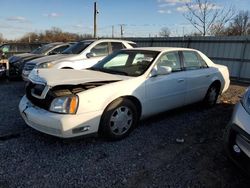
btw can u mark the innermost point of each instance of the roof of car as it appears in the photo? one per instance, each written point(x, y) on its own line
point(104, 40)
point(161, 49)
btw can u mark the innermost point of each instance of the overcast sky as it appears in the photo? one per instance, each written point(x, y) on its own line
point(140, 17)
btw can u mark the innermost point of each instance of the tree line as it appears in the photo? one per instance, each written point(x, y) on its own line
point(52, 35)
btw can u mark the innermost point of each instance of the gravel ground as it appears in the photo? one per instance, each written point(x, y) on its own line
point(149, 157)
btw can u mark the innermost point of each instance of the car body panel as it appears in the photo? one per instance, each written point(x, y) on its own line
point(55, 77)
point(237, 138)
point(165, 92)
point(241, 118)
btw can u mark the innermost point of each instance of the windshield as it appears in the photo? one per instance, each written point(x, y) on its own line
point(77, 48)
point(43, 49)
point(127, 62)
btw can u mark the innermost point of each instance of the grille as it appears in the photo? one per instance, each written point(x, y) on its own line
point(38, 89)
point(15, 69)
point(29, 66)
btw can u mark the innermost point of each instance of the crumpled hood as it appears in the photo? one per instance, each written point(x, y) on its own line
point(50, 58)
point(54, 77)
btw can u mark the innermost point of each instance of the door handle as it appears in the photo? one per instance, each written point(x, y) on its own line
point(180, 80)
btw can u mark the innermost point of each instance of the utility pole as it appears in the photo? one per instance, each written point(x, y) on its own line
point(122, 30)
point(95, 16)
point(113, 29)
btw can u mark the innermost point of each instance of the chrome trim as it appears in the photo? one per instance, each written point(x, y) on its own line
point(44, 93)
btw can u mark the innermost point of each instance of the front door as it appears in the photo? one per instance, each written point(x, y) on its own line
point(164, 92)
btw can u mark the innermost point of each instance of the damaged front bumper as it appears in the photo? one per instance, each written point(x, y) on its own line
point(60, 125)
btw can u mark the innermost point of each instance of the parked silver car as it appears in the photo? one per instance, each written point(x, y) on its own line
point(237, 134)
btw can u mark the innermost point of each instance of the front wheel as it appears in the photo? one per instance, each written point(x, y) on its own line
point(211, 96)
point(119, 119)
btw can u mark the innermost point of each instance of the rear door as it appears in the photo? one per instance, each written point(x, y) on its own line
point(198, 76)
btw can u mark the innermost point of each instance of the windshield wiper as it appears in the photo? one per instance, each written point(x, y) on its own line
point(115, 72)
point(94, 69)
point(111, 71)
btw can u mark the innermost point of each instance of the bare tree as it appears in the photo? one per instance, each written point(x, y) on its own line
point(204, 15)
point(240, 24)
point(164, 32)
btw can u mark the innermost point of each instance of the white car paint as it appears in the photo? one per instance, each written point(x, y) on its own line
point(155, 93)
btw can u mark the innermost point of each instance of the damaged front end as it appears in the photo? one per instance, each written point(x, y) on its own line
point(48, 98)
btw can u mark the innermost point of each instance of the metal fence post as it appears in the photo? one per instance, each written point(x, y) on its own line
point(188, 42)
point(242, 58)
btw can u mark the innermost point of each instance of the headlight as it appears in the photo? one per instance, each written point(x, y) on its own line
point(246, 100)
point(45, 65)
point(65, 105)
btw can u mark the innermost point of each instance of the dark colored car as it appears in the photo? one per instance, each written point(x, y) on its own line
point(9, 49)
point(17, 62)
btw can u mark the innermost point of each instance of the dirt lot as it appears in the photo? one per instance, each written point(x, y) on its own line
point(149, 157)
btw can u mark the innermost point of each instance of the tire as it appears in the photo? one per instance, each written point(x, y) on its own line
point(119, 119)
point(211, 96)
point(66, 68)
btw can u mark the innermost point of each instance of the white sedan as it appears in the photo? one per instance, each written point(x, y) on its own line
point(113, 95)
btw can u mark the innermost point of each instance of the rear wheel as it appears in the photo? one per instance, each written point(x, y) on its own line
point(119, 119)
point(211, 96)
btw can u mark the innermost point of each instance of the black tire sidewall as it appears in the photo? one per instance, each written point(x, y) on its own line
point(105, 129)
point(206, 100)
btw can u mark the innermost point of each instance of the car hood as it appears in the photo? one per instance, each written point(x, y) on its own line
point(54, 77)
point(52, 58)
point(18, 57)
point(23, 55)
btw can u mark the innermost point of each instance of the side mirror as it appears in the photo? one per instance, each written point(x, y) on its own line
point(90, 54)
point(160, 70)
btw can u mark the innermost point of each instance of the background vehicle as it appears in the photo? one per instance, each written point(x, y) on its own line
point(114, 94)
point(9, 49)
point(81, 55)
point(17, 62)
point(237, 134)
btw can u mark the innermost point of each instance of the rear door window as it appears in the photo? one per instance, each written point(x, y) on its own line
point(115, 46)
point(101, 49)
point(193, 61)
